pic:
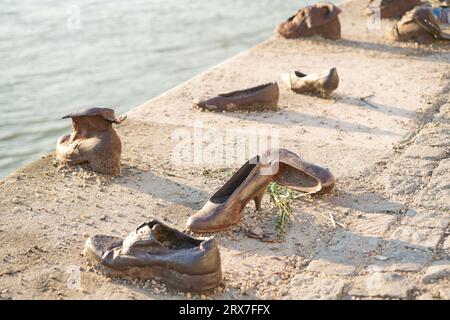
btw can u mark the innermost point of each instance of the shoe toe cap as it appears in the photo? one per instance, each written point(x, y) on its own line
point(97, 245)
point(201, 102)
point(196, 223)
point(286, 79)
point(205, 221)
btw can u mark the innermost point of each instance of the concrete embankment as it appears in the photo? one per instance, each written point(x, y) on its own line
point(391, 160)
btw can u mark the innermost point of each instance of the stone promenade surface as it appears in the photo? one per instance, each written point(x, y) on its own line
point(391, 159)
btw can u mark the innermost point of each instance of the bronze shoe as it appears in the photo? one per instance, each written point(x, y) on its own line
point(320, 19)
point(418, 25)
point(263, 97)
point(225, 208)
point(390, 8)
point(157, 251)
point(322, 83)
point(93, 140)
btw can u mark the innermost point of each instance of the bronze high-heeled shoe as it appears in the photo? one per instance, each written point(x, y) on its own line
point(225, 208)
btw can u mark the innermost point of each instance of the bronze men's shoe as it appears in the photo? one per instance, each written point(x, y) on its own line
point(320, 19)
point(263, 97)
point(225, 208)
point(157, 251)
point(93, 140)
point(390, 8)
point(418, 25)
point(322, 83)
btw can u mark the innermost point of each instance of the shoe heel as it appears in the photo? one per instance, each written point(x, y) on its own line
point(258, 199)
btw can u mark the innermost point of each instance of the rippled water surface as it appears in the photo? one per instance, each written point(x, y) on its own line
point(58, 56)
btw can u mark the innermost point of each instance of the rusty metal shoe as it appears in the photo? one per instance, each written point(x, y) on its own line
point(418, 25)
point(262, 97)
point(226, 207)
point(157, 251)
point(390, 8)
point(93, 141)
point(322, 83)
point(320, 19)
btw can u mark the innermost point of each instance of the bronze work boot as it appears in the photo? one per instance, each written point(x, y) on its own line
point(390, 8)
point(225, 208)
point(263, 97)
point(93, 141)
point(320, 19)
point(157, 251)
point(322, 83)
point(418, 25)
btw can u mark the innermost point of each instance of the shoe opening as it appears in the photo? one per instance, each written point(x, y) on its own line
point(297, 180)
point(171, 238)
point(292, 17)
point(300, 74)
point(245, 91)
point(235, 181)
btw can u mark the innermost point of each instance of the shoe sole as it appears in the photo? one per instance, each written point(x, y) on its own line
point(212, 230)
point(174, 279)
point(257, 107)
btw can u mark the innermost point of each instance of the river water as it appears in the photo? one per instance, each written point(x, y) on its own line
point(61, 56)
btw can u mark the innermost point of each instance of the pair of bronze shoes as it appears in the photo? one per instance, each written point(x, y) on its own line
point(226, 207)
point(418, 25)
point(265, 97)
point(390, 8)
point(155, 250)
point(417, 22)
point(92, 140)
point(321, 19)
